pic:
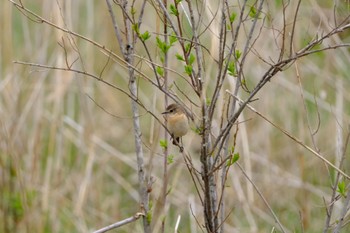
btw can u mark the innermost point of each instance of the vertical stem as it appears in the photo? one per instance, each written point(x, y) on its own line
point(128, 50)
point(144, 196)
point(233, 105)
point(329, 210)
point(199, 78)
point(208, 179)
point(210, 200)
point(339, 115)
point(343, 213)
point(165, 163)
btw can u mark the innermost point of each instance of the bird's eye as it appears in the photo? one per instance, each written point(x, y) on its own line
point(172, 110)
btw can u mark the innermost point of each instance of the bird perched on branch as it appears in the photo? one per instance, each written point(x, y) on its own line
point(178, 122)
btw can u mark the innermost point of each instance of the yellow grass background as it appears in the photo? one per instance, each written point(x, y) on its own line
point(67, 161)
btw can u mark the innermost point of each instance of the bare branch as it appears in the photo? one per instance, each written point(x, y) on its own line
point(294, 139)
point(120, 223)
point(116, 27)
point(343, 212)
point(293, 29)
point(304, 107)
point(263, 198)
point(166, 13)
point(334, 188)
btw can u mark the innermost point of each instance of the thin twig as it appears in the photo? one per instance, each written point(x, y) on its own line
point(305, 108)
point(197, 221)
point(96, 78)
point(329, 210)
point(108, 52)
point(294, 138)
point(116, 27)
point(263, 198)
point(271, 72)
point(293, 29)
point(343, 213)
point(194, 175)
point(120, 223)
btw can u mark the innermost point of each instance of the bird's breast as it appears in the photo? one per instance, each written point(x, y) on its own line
point(178, 125)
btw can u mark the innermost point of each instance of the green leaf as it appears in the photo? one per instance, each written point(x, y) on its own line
point(150, 210)
point(170, 159)
point(191, 59)
point(145, 36)
point(207, 101)
point(187, 47)
point(197, 129)
point(149, 216)
point(232, 150)
point(342, 189)
point(163, 144)
point(178, 1)
point(231, 68)
point(188, 69)
point(160, 71)
point(172, 39)
point(162, 45)
point(253, 12)
point(173, 10)
point(233, 17)
point(135, 27)
point(233, 159)
point(161, 58)
point(238, 54)
point(179, 57)
point(133, 11)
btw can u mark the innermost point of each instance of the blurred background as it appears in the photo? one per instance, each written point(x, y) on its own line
point(67, 155)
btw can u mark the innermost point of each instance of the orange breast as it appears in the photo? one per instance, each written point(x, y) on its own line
point(178, 125)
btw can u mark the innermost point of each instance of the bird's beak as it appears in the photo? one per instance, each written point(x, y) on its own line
point(165, 112)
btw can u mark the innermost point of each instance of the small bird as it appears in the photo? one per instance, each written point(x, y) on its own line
point(177, 122)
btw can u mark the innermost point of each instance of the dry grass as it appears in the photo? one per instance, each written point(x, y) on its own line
point(67, 163)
